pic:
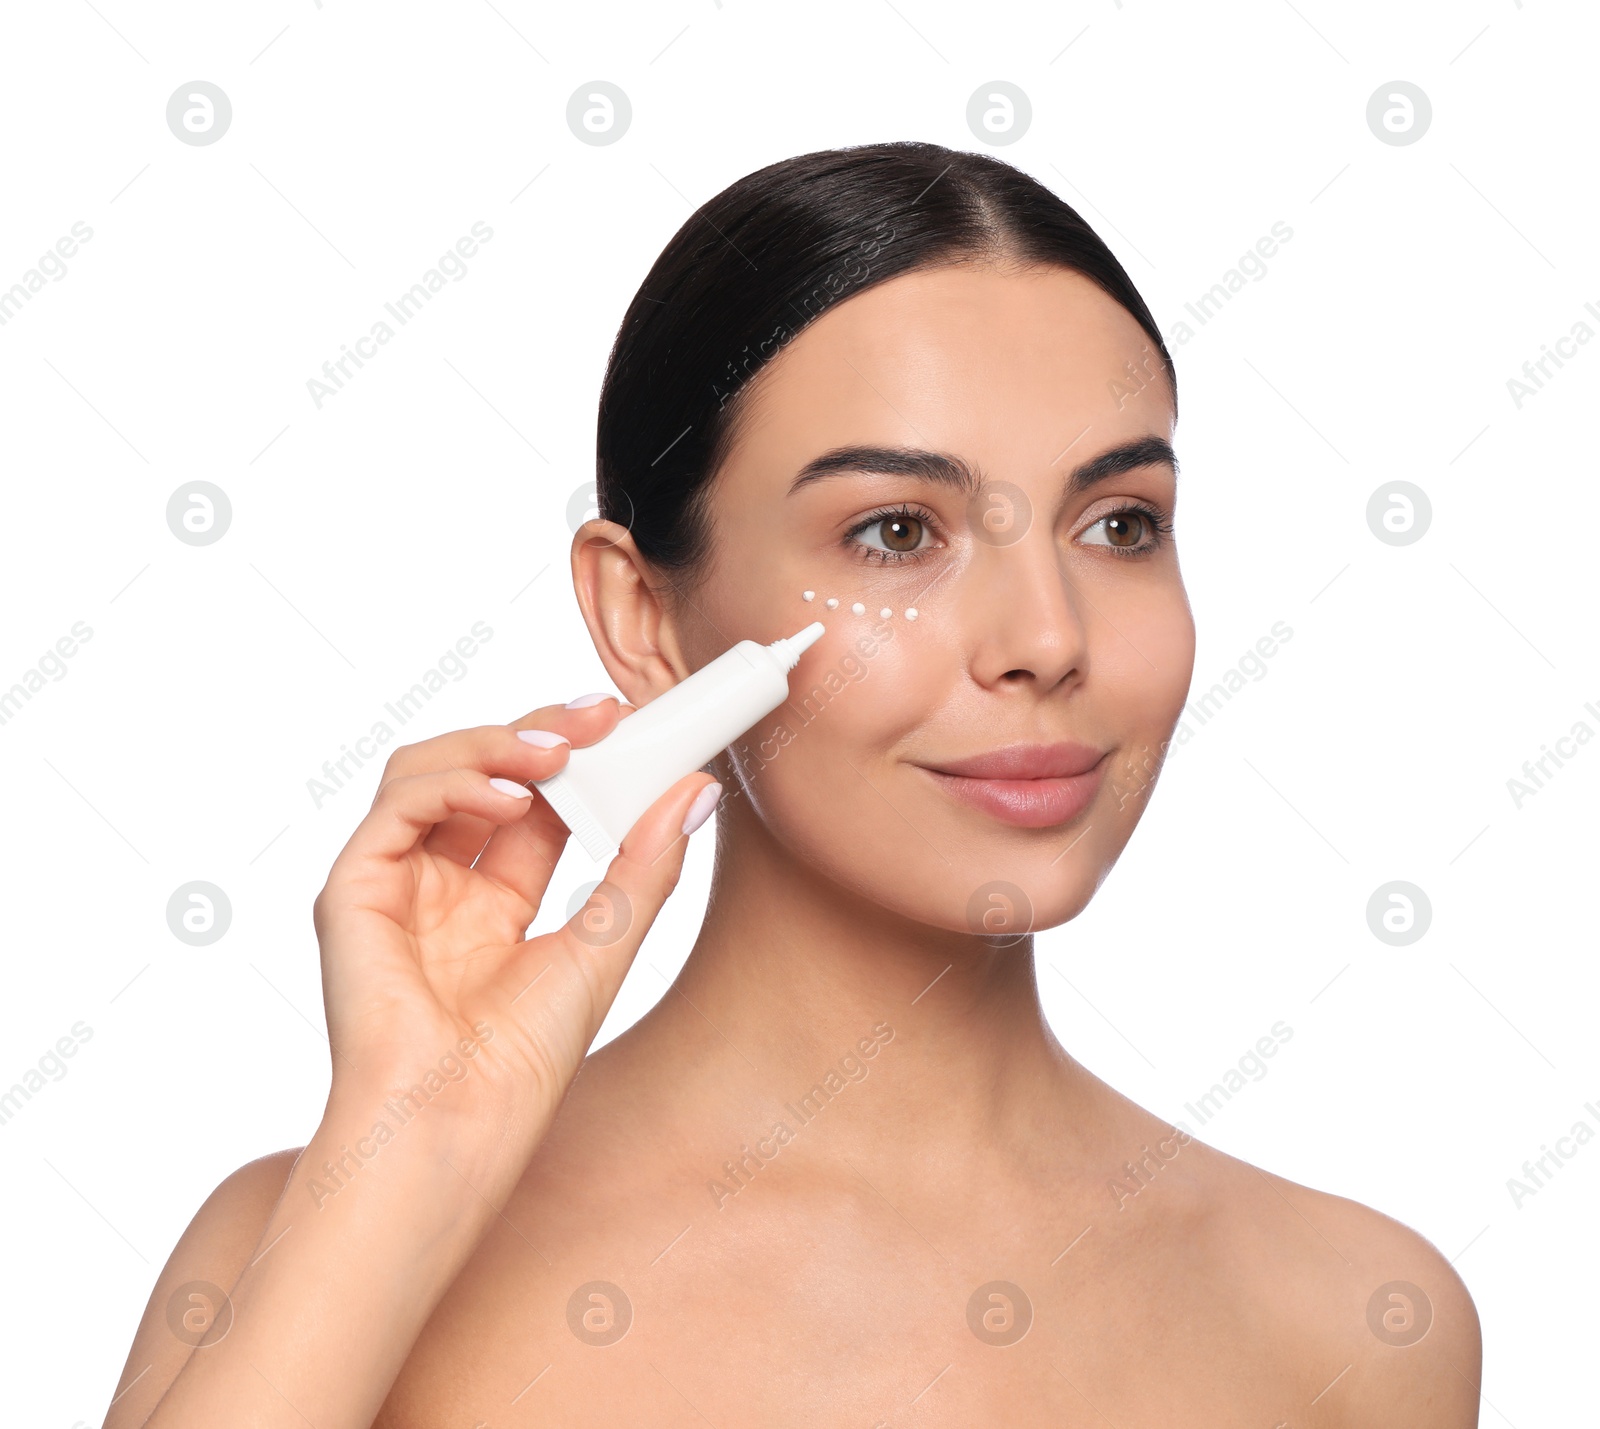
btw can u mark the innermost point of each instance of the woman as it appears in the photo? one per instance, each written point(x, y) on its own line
point(842, 1173)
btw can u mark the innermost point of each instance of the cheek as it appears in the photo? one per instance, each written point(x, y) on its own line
point(1145, 670)
point(856, 690)
point(854, 695)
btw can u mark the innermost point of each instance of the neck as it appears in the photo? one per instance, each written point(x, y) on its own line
point(933, 1042)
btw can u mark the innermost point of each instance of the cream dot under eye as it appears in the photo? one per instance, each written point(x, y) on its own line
point(832, 602)
point(808, 595)
point(858, 609)
point(885, 613)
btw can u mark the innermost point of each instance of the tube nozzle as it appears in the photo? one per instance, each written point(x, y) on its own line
point(788, 652)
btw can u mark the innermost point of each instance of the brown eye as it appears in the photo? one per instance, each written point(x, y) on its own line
point(893, 536)
point(1124, 528)
point(900, 533)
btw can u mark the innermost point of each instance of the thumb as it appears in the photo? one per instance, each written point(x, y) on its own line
point(605, 934)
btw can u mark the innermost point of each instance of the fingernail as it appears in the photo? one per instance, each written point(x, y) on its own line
point(584, 701)
point(543, 738)
point(511, 787)
point(699, 811)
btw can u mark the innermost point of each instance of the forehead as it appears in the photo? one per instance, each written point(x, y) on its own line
point(1006, 368)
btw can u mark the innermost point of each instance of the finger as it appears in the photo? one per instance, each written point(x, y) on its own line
point(407, 808)
point(463, 836)
point(508, 854)
point(603, 937)
point(580, 726)
point(581, 723)
point(506, 753)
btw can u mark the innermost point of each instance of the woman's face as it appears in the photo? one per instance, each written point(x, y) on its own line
point(995, 459)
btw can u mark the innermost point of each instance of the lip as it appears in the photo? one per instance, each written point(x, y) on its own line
point(1032, 786)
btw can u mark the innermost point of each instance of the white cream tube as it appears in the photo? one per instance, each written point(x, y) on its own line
point(605, 787)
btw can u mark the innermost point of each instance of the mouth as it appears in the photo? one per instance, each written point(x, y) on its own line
point(1032, 786)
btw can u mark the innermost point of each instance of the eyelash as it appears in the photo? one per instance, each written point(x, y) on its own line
point(1156, 519)
point(890, 513)
point(1153, 517)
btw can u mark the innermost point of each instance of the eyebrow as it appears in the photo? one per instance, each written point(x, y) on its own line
point(953, 471)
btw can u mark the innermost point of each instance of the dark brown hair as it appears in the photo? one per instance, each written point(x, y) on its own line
point(767, 256)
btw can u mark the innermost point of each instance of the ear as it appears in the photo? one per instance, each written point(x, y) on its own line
point(630, 627)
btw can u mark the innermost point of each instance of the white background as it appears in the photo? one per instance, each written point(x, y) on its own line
point(368, 536)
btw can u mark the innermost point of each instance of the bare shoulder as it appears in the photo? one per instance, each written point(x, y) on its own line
point(1383, 1324)
point(192, 1287)
point(1417, 1354)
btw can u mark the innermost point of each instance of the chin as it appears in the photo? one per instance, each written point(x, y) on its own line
point(1002, 888)
point(1028, 894)
point(960, 859)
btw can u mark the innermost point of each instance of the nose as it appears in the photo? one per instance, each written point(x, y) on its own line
point(1023, 618)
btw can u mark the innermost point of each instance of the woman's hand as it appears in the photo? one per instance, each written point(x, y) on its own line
point(444, 1023)
point(422, 920)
